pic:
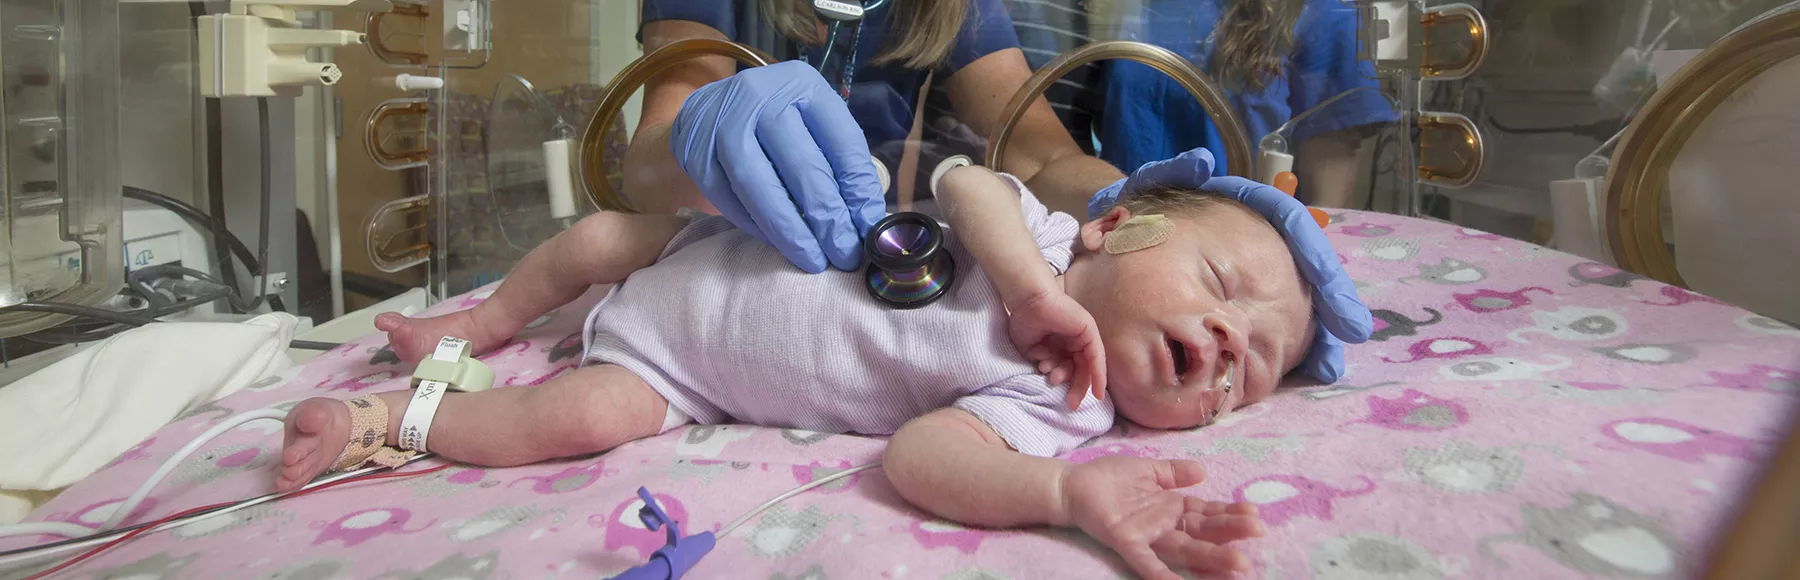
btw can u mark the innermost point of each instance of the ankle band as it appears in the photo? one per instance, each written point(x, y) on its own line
point(416, 424)
point(368, 436)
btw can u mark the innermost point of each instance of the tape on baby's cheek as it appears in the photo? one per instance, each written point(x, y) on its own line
point(1145, 231)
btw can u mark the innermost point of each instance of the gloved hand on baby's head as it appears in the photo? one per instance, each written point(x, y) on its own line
point(1198, 303)
point(1342, 316)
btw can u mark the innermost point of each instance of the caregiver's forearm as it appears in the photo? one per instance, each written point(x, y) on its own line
point(1066, 184)
point(654, 182)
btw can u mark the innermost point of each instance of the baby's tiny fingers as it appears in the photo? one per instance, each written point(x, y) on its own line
point(1059, 375)
point(1146, 563)
point(1199, 556)
point(1220, 529)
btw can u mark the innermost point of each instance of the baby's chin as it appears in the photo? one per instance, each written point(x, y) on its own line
point(1152, 415)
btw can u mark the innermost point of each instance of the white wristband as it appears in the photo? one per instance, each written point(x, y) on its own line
point(416, 424)
point(449, 349)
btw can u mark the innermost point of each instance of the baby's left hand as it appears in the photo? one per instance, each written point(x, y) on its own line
point(1056, 332)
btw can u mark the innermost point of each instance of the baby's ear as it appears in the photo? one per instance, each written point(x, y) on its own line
point(1093, 233)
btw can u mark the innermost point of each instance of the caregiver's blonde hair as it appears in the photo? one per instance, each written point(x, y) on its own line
point(1252, 40)
point(922, 31)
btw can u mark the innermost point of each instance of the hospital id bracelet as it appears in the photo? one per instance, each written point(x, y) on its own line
point(415, 425)
point(451, 364)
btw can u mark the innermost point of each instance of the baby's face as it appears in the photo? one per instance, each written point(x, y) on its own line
point(1222, 286)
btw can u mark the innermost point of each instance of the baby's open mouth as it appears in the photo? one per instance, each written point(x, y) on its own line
point(1178, 353)
point(1182, 356)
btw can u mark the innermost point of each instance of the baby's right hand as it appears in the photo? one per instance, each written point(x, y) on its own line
point(1060, 336)
point(1131, 505)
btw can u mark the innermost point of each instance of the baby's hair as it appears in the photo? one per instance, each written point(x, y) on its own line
point(1170, 200)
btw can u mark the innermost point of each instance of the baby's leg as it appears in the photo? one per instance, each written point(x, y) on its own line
point(589, 410)
point(600, 249)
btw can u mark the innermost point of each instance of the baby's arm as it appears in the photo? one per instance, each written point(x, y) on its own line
point(985, 214)
point(1047, 326)
point(600, 249)
point(953, 465)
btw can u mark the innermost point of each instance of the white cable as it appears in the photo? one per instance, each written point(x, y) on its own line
point(125, 508)
point(13, 557)
point(64, 529)
point(793, 492)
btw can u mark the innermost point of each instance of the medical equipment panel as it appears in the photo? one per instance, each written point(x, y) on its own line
point(60, 206)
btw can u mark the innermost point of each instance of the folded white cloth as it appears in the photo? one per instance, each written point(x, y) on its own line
point(64, 422)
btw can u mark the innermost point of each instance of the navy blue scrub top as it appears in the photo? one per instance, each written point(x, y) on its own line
point(881, 97)
point(1149, 117)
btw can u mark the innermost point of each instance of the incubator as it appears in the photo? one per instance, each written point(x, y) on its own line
point(335, 158)
point(428, 145)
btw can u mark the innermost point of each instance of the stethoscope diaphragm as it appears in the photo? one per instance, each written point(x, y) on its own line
point(909, 266)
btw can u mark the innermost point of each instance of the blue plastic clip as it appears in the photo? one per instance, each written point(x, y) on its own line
point(675, 557)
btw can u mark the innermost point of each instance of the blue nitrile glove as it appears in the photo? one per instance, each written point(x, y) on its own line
point(1342, 316)
point(775, 149)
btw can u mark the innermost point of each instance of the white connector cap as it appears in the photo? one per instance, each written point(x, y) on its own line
point(409, 83)
point(949, 163)
point(1393, 35)
point(559, 176)
point(263, 53)
point(1270, 164)
point(881, 173)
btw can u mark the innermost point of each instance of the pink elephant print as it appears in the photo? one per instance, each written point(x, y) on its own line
point(1389, 324)
point(569, 479)
point(1485, 301)
point(1447, 347)
point(361, 526)
point(936, 534)
point(1280, 498)
point(1677, 296)
point(1413, 411)
point(1595, 273)
point(624, 529)
point(1680, 441)
point(1757, 378)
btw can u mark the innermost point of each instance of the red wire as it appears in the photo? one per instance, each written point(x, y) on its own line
point(185, 513)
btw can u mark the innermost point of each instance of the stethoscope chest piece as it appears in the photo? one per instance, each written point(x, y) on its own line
point(909, 266)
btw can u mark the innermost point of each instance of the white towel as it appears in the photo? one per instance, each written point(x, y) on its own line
point(64, 422)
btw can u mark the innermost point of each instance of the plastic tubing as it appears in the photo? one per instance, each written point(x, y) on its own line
point(1237, 144)
point(591, 161)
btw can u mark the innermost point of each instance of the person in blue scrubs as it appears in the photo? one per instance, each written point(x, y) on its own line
point(812, 120)
point(1146, 116)
point(784, 150)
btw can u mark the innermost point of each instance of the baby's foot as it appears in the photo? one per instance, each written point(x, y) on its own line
point(317, 430)
point(414, 338)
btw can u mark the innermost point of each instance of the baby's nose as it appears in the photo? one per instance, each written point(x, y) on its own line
point(1224, 336)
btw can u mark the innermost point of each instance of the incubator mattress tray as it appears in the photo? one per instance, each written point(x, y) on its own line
point(1519, 414)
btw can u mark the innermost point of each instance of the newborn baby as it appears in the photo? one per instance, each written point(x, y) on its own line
point(1173, 307)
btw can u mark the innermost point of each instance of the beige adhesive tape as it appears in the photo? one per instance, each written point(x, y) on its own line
point(368, 436)
point(1145, 231)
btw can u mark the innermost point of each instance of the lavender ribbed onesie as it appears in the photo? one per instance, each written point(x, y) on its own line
point(728, 330)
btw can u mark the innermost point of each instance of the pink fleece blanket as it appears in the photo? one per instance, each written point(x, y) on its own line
point(1519, 414)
